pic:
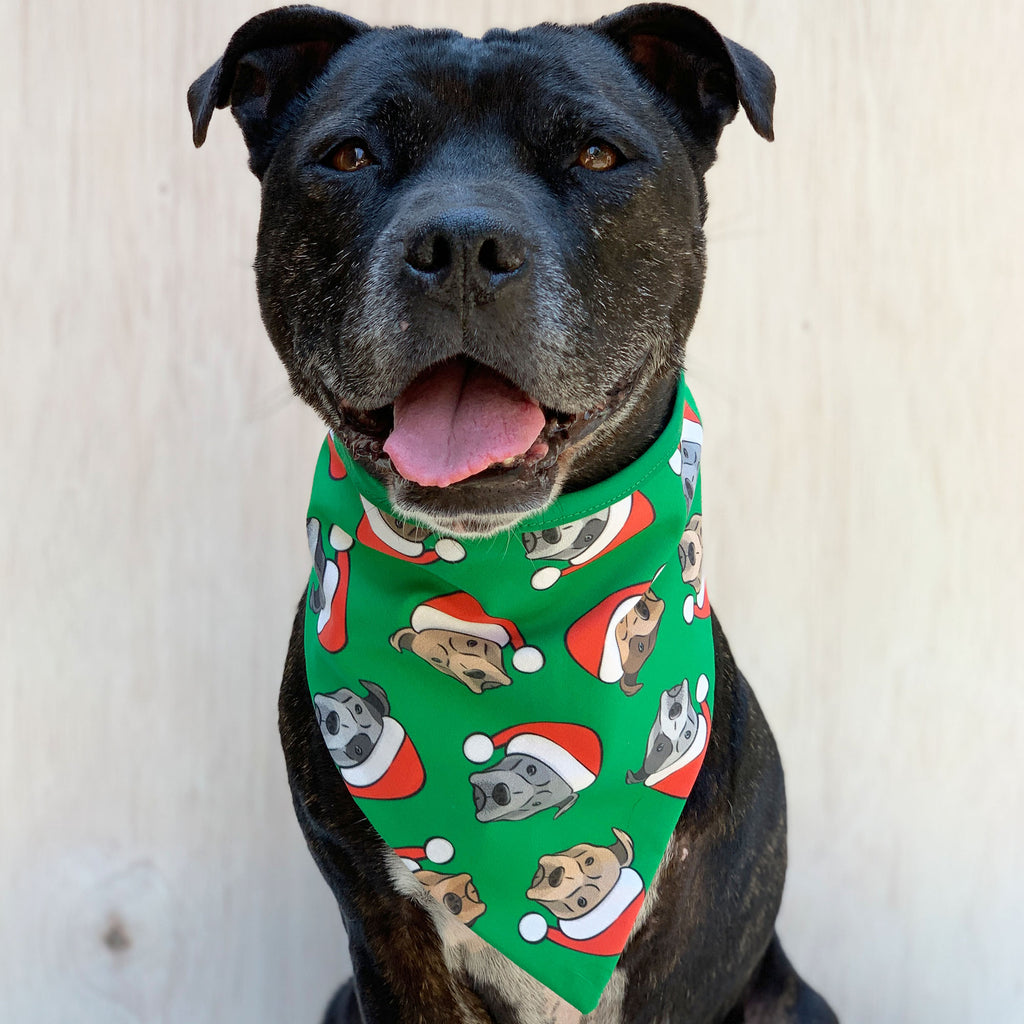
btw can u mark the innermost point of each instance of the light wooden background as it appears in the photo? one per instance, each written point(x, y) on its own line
point(859, 360)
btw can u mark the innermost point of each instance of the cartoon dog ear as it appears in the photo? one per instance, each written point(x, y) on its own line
point(622, 847)
point(376, 696)
point(402, 640)
point(566, 804)
point(270, 60)
point(706, 76)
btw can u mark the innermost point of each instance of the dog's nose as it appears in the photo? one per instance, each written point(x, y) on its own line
point(501, 795)
point(467, 254)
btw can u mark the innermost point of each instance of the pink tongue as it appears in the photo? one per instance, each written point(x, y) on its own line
point(458, 419)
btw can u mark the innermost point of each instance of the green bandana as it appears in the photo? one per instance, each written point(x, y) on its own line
point(522, 717)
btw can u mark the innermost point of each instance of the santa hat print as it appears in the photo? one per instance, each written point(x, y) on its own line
point(393, 770)
point(697, 607)
point(374, 531)
point(572, 751)
point(626, 518)
point(336, 468)
point(677, 779)
point(692, 432)
point(462, 613)
point(437, 850)
point(591, 639)
point(328, 599)
point(602, 930)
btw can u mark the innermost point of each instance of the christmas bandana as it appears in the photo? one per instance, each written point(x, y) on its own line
point(522, 717)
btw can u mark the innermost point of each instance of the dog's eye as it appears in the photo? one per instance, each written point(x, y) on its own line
point(588, 862)
point(598, 155)
point(531, 769)
point(351, 155)
point(581, 902)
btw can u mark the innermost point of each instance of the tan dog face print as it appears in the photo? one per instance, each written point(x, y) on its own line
point(456, 893)
point(635, 635)
point(691, 552)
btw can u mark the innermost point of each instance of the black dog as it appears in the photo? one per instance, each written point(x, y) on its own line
point(518, 213)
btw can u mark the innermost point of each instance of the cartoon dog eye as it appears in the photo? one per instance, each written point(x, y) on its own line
point(581, 902)
point(453, 902)
point(471, 643)
point(531, 769)
point(588, 862)
point(640, 644)
point(333, 723)
point(436, 661)
point(358, 709)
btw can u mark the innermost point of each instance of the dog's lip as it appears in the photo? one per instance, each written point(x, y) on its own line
point(365, 430)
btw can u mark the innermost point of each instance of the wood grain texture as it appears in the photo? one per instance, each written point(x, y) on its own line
point(858, 361)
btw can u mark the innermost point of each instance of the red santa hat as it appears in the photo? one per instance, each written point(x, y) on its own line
point(591, 639)
point(572, 751)
point(601, 931)
point(462, 613)
point(697, 607)
point(336, 467)
point(677, 778)
point(626, 518)
point(374, 531)
point(437, 850)
point(393, 770)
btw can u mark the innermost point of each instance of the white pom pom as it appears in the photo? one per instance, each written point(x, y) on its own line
point(449, 550)
point(533, 927)
point(546, 577)
point(702, 688)
point(688, 608)
point(439, 850)
point(478, 748)
point(339, 539)
point(528, 659)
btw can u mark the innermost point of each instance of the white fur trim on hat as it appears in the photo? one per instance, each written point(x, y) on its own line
point(478, 748)
point(439, 850)
point(610, 670)
point(618, 514)
point(701, 689)
point(340, 540)
point(426, 616)
point(381, 757)
point(330, 585)
point(554, 756)
point(449, 550)
point(385, 533)
point(626, 889)
point(533, 928)
point(676, 461)
point(691, 753)
point(528, 659)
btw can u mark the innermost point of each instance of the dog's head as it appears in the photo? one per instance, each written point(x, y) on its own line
point(517, 787)
point(351, 725)
point(456, 893)
point(470, 659)
point(571, 883)
point(691, 552)
point(635, 634)
point(479, 259)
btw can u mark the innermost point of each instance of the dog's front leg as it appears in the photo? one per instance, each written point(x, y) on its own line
point(398, 962)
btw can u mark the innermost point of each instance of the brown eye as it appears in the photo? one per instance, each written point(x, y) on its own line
point(351, 156)
point(598, 156)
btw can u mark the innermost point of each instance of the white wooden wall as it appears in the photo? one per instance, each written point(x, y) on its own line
point(859, 361)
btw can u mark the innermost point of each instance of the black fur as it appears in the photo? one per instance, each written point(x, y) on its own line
point(471, 231)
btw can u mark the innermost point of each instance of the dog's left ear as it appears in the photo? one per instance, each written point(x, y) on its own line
point(706, 76)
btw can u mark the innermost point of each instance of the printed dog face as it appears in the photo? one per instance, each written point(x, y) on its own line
point(518, 786)
point(351, 725)
point(456, 893)
point(404, 529)
point(573, 882)
point(470, 659)
point(565, 542)
point(635, 635)
point(691, 552)
point(674, 733)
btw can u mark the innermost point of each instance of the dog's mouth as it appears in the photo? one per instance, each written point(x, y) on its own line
point(462, 421)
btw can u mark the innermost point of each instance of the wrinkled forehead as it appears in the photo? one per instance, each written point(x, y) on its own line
point(549, 78)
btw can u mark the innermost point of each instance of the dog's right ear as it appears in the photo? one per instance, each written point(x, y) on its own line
point(402, 640)
point(269, 61)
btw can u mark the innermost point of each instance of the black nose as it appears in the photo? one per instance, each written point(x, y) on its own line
point(555, 878)
point(501, 796)
point(465, 255)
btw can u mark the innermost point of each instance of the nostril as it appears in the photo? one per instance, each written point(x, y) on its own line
point(430, 253)
point(500, 256)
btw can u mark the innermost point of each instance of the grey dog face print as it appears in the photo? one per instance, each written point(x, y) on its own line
point(545, 765)
point(454, 634)
point(376, 758)
point(614, 639)
point(581, 541)
point(593, 893)
point(677, 742)
point(686, 459)
point(328, 593)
